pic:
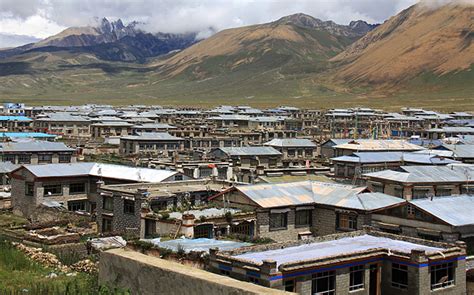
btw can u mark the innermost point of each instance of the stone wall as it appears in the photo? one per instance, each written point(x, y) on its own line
point(142, 274)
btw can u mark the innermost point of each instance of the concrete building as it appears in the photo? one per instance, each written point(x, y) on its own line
point(363, 262)
point(36, 152)
point(64, 124)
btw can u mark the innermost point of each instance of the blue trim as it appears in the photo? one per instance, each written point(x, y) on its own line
point(253, 274)
point(225, 267)
point(313, 271)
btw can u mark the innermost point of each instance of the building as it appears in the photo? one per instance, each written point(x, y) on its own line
point(63, 124)
point(74, 185)
point(446, 219)
point(150, 143)
point(292, 211)
point(248, 156)
point(359, 163)
point(415, 182)
point(294, 150)
point(16, 123)
point(363, 262)
point(375, 146)
point(136, 208)
point(36, 152)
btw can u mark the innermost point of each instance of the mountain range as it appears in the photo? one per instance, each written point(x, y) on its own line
point(111, 41)
point(423, 52)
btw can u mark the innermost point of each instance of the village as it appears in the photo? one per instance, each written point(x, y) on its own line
point(241, 200)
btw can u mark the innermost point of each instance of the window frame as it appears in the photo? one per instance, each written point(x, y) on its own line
point(446, 269)
point(401, 270)
point(127, 205)
point(108, 203)
point(352, 278)
point(77, 192)
point(283, 224)
point(52, 194)
point(347, 223)
point(329, 277)
point(28, 186)
point(308, 219)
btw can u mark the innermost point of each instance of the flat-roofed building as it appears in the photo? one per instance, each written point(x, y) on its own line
point(363, 262)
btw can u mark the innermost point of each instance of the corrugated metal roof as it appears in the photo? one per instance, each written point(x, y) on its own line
point(457, 210)
point(311, 192)
point(34, 146)
point(15, 118)
point(388, 157)
point(290, 142)
point(374, 145)
point(152, 136)
point(427, 174)
point(250, 151)
point(100, 170)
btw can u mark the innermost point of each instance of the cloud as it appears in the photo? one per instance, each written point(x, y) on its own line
point(178, 16)
point(8, 40)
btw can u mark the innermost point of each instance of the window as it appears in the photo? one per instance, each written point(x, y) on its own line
point(442, 275)
point(290, 286)
point(106, 224)
point(9, 158)
point(24, 159)
point(346, 221)
point(77, 188)
point(29, 189)
point(45, 158)
point(399, 276)
point(441, 192)
point(278, 220)
point(128, 206)
point(324, 283)
point(64, 158)
point(420, 193)
point(303, 218)
point(53, 189)
point(76, 206)
point(356, 280)
point(377, 187)
point(178, 177)
point(108, 203)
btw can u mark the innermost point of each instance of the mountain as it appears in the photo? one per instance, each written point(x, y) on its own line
point(109, 41)
point(420, 42)
point(292, 44)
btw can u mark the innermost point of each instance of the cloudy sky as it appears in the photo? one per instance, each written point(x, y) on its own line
point(23, 21)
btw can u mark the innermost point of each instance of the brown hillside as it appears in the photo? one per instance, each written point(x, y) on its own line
point(419, 39)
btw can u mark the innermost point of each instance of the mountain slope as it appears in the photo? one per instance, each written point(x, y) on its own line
point(294, 41)
point(108, 41)
point(419, 40)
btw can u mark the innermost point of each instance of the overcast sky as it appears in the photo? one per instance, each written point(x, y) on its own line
point(43, 18)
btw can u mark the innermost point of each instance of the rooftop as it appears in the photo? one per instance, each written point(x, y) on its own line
point(336, 247)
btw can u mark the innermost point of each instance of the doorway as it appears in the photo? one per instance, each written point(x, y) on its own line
point(374, 280)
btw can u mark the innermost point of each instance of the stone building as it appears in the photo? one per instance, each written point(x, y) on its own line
point(150, 143)
point(133, 208)
point(267, 157)
point(295, 151)
point(446, 219)
point(36, 152)
point(362, 262)
point(68, 125)
point(297, 210)
point(415, 182)
point(73, 185)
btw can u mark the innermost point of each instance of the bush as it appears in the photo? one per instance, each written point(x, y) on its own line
point(165, 216)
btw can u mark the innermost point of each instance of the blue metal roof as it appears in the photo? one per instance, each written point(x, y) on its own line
point(15, 118)
point(26, 134)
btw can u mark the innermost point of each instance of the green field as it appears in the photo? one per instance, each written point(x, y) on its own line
point(69, 81)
